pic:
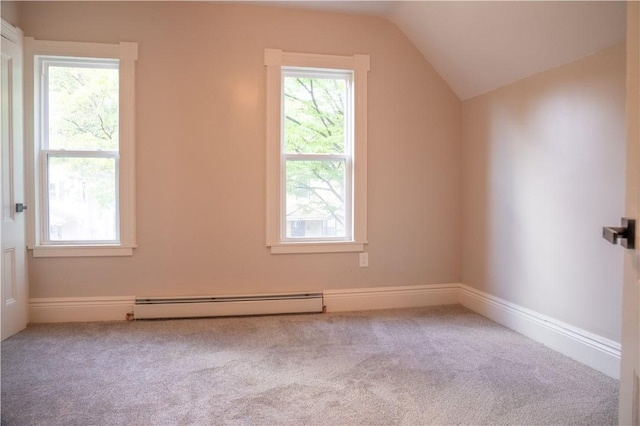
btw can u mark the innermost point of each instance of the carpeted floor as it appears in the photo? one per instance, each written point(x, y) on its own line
point(439, 365)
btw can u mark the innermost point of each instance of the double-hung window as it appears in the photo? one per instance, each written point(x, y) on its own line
point(83, 147)
point(316, 152)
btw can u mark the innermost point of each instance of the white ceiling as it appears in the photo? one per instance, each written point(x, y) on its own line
point(479, 46)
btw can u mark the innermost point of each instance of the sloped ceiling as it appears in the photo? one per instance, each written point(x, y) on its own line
point(479, 46)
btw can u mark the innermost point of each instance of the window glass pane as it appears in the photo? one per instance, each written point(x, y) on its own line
point(82, 107)
point(82, 199)
point(314, 111)
point(315, 199)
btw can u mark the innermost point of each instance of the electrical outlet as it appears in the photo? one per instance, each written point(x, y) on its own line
point(364, 260)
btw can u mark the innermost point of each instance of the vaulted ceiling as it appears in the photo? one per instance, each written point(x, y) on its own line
point(479, 46)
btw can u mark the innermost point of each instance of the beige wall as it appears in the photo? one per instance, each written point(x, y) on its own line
point(201, 152)
point(541, 175)
point(10, 12)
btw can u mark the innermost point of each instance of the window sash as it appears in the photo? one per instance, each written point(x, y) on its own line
point(347, 202)
point(44, 64)
point(319, 73)
point(45, 236)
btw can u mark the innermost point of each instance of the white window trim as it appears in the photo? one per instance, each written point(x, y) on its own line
point(274, 60)
point(127, 53)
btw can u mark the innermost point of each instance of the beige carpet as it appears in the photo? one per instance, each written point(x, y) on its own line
point(443, 365)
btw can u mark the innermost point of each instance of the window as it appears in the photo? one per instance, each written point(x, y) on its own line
point(316, 152)
point(82, 148)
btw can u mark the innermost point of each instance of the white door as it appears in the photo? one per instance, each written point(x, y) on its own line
point(12, 233)
point(630, 363)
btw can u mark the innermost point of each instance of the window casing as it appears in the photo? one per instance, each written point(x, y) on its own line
point(316, 172)
point(80, 144)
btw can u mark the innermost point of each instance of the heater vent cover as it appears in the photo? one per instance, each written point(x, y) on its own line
point(218, 306)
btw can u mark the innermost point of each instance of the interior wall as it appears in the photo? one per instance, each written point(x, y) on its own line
point(201, 152)
point(541, 175)
point(10, 12)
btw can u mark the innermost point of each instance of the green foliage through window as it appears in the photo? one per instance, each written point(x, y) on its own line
point(82, 139)
point(314, 115)
point(83, 108)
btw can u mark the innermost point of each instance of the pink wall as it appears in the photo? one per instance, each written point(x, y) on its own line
point(543, 173)
point(201, 152)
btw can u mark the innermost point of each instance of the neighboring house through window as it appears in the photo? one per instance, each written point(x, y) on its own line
point(316, 152)
point(82, 150)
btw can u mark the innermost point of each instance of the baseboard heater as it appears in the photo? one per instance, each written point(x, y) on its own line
point(214, 306)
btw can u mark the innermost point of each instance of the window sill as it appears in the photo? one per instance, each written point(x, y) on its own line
point(81, 251)
point(334, 247)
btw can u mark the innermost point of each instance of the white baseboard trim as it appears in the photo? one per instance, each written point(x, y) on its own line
point(364, 299)
point(80, 309)
point(595, 351)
